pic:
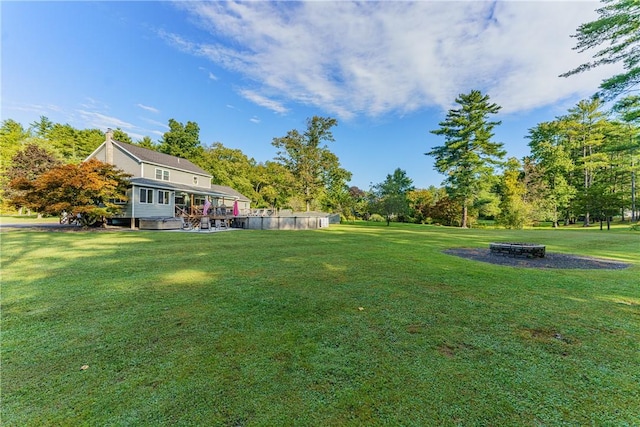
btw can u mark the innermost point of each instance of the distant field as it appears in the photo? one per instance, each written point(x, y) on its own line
point(350, 325)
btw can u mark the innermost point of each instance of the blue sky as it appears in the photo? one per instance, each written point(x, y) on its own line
point(248, 72)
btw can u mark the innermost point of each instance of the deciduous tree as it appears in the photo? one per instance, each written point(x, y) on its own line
point(12, 136)
point(87, 190)
point(27, 165)
point(182, 141)
point(308, 158)
point(446, 211)
point(422, 201)
point(273, 183)
point(391, 195)
point(358, 203)
point(551, 151)
point(230, 167)
point(514, 210)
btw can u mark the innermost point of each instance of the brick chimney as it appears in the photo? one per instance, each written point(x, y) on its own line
point(108, 146)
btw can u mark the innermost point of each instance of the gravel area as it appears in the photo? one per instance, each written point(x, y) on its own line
point(551, 260)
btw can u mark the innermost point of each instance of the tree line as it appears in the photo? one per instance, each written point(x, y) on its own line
point(305, 175)
point(583, 165)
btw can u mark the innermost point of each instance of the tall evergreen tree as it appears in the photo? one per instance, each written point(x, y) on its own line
point(147, 142)
point(628, 111)
point(122, 136)
point(12, 135)
point(618, 29)
point(468, 154)
point(586, 125)
point(41, 127)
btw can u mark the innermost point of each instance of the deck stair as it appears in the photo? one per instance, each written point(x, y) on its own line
point(191, 221)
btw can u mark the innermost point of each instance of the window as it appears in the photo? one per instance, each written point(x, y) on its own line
point(163, 197)
point(118, 201)
point(146, 195)
point(162, 174)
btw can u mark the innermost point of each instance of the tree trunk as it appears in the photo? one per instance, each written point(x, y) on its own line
point(634, 214)
point(464, 215)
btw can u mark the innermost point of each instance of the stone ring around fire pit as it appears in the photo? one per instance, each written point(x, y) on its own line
point(528, 250)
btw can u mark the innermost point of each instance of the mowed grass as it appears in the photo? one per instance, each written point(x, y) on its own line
point(27, 219)
point(351, 325)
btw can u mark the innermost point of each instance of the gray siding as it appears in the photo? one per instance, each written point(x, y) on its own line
point(147, 210)
point(121, 160)
point(176, 176)
point(125, 162)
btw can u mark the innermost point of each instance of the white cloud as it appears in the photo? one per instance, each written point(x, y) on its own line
point(254, 119)
point(94, 119)
point(263, 101)
point(147, 108)
point(102, 121)
point(372, 58)
point(93, 104)
point(209, 73)
point(155, 123)
point(40, 109)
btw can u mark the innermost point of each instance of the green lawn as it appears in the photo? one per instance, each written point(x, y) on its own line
point(351, 325)
point(27, 219)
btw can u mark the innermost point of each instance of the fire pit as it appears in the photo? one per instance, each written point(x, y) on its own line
point(526, 250)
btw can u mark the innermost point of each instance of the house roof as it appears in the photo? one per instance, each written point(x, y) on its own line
point(230, 191)
point(150, 156)
point(215, 190)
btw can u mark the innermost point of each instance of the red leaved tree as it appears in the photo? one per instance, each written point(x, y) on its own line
point(87, 191)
